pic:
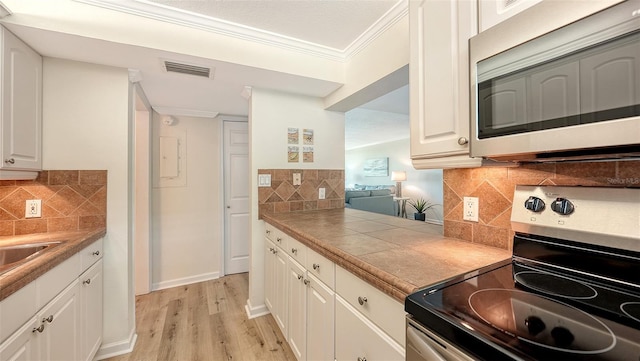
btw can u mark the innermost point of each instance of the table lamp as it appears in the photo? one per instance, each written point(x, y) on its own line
point(399, 176)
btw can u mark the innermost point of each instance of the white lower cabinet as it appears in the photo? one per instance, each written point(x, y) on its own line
point(276, 272)
point(357, 338)
point(69, 324)
point(320, 321)
point(297, 310)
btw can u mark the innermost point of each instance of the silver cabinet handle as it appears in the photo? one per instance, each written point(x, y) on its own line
point(39, 329)
point(271, 250)
point(87, 281)
point(306, 282)
point(96, 253)
point(11, 161)
point(362, 300)
point(48, 319)
point(463, 140)
point(316, 266)
point(294, 251)
point(278, 239)
point(268, 231)
point(299, 277)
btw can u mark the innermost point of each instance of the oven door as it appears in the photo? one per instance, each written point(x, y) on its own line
point(423, 345)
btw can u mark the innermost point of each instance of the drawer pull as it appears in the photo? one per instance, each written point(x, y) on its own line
point(96, 253)
point(362, 300)
point(268, 231)
point(306, 282)
point(299, 277)
point(272, 250)
point(316, 266)
point(362, 359)
point(87, 281)
point(39, 329)
point(11, 161)
point(48, 319)
point(279, 240)
point(294, 251)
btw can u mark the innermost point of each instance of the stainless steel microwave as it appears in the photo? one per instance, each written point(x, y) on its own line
point(559, 81)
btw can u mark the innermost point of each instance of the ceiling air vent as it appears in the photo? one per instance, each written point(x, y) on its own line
point(174, 67)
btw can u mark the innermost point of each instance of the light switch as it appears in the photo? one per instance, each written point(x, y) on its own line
point(264, 180)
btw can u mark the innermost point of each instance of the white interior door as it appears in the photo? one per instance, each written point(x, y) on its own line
point(236, 194)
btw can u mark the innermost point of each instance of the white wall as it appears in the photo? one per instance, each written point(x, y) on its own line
point(86, 126)
point(187, 224)
point(270, 114)
point(425, 184)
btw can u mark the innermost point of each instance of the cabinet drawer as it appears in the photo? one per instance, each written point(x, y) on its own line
point(17, 308)
point(296, 250)
point(91, 254)
point(49, 284)
point(321, 267)
point(357, 338)
point(380, 308)
point(276, 236)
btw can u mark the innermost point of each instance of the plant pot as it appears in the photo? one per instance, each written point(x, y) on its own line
point(419, 216)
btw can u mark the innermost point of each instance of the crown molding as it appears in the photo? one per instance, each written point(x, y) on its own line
point(185, 112)
point(172, 15)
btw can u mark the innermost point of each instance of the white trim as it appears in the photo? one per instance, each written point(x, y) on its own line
point(172, 15)
point(185, 281)
point(185, 112)
point(4, 10)
point(256, 311)
point(117, 348)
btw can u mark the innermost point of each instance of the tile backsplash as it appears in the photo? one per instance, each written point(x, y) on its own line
point(495, 186)
point(282, 196)
point(71, 200)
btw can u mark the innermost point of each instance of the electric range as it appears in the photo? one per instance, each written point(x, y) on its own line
point(570, 292)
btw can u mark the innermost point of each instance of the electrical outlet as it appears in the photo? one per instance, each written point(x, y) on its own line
point(470, 209)
point(264, 180)
point(297, 179)
point(321, 193)
point(33, 208)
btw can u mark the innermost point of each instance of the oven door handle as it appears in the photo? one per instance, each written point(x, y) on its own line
point(421, 343)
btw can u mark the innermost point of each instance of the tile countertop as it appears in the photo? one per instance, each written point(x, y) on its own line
point(72, 243)
point(396, 255)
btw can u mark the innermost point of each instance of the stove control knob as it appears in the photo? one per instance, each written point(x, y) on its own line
point(562, 206)
point(562, 336)
point(534, 325)
point(534, 204)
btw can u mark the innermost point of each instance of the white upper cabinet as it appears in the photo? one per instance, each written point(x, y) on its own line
point(492, 12)
point(21, 118)
point(439, 86)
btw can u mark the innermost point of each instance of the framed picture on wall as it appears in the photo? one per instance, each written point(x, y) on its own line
point(376, 167)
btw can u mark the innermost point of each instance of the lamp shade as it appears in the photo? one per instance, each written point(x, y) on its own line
point(398, 176)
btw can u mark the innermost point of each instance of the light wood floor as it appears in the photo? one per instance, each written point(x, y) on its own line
point(202, 322)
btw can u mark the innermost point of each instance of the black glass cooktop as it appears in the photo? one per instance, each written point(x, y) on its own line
point(519, 311)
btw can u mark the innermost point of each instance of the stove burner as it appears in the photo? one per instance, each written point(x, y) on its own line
point(541, 321)
point(631, 309)
point(556, 285)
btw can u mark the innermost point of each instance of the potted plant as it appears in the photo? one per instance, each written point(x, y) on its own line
point(421, 206)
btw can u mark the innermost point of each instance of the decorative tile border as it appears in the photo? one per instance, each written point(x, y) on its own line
point(71, 200)
point(284, 197)
point(495, 186)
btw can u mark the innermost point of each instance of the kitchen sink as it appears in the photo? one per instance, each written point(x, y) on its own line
point(13, 256)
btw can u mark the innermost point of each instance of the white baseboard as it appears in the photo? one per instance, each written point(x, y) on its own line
point(255, 311)
point(117, 348)
point(185, 281)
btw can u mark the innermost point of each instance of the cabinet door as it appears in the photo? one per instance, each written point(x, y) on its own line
point(91, 311)
point(320, 321)
point(297, 309)
point(21, 105)
point(554, 92)
point(358, 338)
point(269, 274)
point(439, 87)
point(60, 339)
point(22, 345)
point(492, 12)
point(281, 290)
